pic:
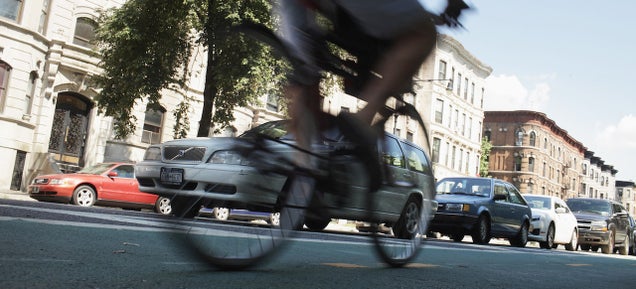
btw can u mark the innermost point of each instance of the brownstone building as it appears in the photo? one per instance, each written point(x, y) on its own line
point(532, 152)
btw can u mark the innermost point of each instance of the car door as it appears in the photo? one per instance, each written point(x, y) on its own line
point(501, 209)
point(518, 209)
point(399, 179)
point(564, 221)
point(124, 186)
point(622, 221)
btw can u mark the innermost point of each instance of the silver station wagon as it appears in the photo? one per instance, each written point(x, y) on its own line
point(213, 169)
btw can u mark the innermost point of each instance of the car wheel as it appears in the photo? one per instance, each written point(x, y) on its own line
point(522, 236)
point(221, 213)
point(609, 248)
point(549, 238)
point(585, 247)
point(316, 224)
point(481, 231)
point(84, 196)
point(457, 237)
point(274, 219)
point(625, 249)
point(162, 206)
point(574, 241)
point(406, 227)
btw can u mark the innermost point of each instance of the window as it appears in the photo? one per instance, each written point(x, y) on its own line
point(10, 9)
point(450, 116)
point(519, 137)
point(452, 77)
point(5, 70)
point(533, 138)
point(466, 88)
point(531, 164)
point(125, 171)
point(472, 93)
point(28, 101)
point(487, 135)
point(463, 124)
point(436, 144)
point(391, 153)
point(441, 74)
point(517, 163)
point(470, 128)
point(415, 159)
point(453, 157)
point(461, 159)
point(459, 84)
point(439, 111)
point(272, 103)
point(152, 125)
point(44, 15)
point(84, 32)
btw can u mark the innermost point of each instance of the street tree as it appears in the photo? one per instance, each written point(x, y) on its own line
point(486, 147)
point(146, 48)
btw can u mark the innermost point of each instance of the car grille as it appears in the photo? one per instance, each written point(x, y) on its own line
point(40, 181)
point(220, 188)
point(584, 224)
point(183, 153)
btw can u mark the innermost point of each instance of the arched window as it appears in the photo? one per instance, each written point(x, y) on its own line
point(533, 138)
point(5, 70)
point(519, 137)
point(531, 164)
point(28, 101)
point(84, 32)
point(487, 135)
point(153, 123)
point(517, 163)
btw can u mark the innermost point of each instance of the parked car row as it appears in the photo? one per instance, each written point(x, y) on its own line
point(486, 208)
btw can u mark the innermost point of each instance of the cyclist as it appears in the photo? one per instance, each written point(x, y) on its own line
point(407, 24)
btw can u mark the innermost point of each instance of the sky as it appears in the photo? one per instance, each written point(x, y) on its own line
point(575, 63)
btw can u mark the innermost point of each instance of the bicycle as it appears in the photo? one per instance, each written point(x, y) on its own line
point(349, 170)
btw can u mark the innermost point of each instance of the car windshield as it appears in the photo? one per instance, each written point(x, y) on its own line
point(598, 207)
point(273, 129)
point(536, 202)
point(462, 186)
point(96, 169)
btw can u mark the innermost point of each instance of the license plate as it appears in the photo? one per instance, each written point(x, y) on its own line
point(35, 190)
point(171, 176)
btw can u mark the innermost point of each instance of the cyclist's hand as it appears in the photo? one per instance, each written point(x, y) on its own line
point(453, 11)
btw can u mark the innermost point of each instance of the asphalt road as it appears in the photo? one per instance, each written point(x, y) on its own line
point(61, 246)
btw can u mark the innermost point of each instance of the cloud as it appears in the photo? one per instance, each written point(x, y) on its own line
point(620, 135)
point(506, 92)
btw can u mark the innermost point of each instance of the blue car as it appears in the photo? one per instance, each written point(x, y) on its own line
point(482, 208)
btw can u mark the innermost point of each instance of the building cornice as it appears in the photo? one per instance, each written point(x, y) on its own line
point(447, 41)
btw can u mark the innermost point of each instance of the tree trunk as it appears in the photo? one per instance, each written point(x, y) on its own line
point(209, 93)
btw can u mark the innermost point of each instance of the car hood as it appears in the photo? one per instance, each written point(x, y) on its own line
point(458, 198)
point(589, 217)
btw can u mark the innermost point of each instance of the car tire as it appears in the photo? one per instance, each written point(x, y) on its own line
point(221, 213)
point(481, 231)
point(609, 248)
point(624, 250)
point(522, 236)
point(457, 237)
point(574, 241)
point(549, 238)
point(84, 196)
point(406, 227)
point(163, 206)
point(316, 224)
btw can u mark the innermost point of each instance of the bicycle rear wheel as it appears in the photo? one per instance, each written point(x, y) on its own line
point(236, 245)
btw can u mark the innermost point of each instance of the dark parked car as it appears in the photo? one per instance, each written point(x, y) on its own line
point(483, 208)
point(602, 223)
point(632, 245)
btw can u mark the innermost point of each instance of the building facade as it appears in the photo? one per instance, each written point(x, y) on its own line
point(47, 102)
point(626, 194)
point(534, 153)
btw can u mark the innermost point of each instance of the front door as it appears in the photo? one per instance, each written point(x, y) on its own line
point(68, 133)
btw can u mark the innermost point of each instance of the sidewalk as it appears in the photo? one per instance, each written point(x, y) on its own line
point(15, 195)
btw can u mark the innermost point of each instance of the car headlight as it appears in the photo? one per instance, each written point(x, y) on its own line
point(228, 158)
point(58, 182)
point(457, 207)
point(598, 226)
point(152, 154)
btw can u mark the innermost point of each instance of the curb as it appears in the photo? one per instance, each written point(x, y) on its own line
point(15, 195)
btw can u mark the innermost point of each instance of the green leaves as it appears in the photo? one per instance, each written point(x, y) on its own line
point(147, 45)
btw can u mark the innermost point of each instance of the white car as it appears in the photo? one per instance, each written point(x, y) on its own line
point(553, 223)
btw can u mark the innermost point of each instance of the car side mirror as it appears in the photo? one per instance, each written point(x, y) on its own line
point(112, 174)
point(560, 210)
point(499, 197)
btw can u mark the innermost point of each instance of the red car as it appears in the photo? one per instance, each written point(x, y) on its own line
point(109, 184)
